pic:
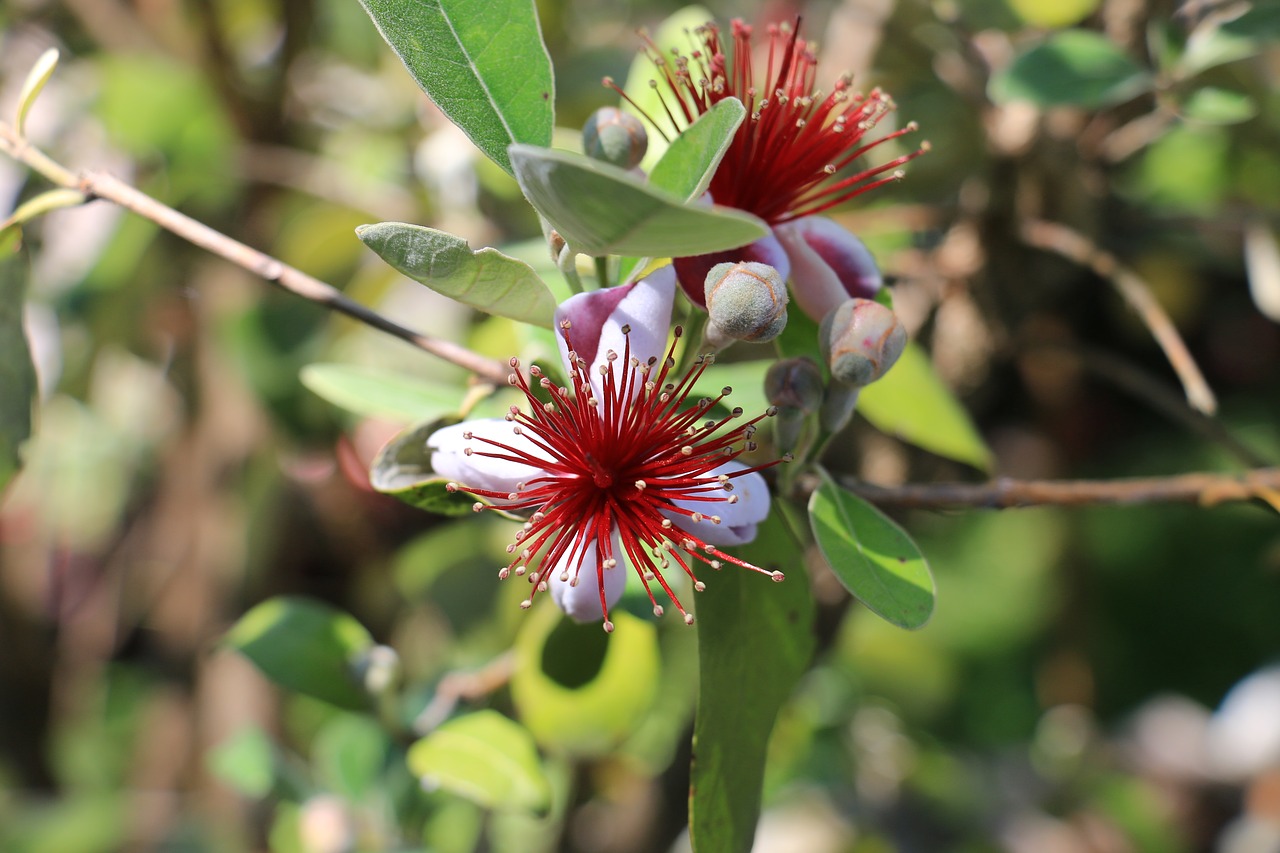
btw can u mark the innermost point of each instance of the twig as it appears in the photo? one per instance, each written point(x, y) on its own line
point(457, 686)
point(1074, 246)
point(1202, 489)
point(99, 185)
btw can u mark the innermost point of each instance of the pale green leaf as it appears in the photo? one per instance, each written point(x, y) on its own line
point(485, 758)
point(374, 392)
point(485, 279)
point(579, 690)
point(600, 209)
point(34, 84)
point(483, 64)
point(349, 755)
point(872, 556)
point(17, 371)
point(687, 167)
point(755, 639)
point(1211, 105)
point(305, 645)
point(245, 761)
point(912, 403)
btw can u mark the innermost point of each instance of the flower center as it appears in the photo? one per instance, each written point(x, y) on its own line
point(620, 464)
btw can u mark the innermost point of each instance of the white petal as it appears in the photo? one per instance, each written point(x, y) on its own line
point(737, 520)
point(479, 471)
point(597, 319)
point(582, 602)
point(828, 264)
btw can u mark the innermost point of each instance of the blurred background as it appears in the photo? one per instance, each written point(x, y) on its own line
point(1098, 679)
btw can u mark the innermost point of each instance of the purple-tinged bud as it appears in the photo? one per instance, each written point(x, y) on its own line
point(861, 339)
point(794, 383)
point(692, 271)
point(746, 301)
point(828, 264)
point(615, 137)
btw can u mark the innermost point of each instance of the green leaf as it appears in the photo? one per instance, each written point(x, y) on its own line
point(872, 556)
point(912, 403)
point(486, 279)
point(601, 209)
point(17, 371)
point(483, 64)
point(1262, 21)
point(34, 84)
point(246, 762)
point(755, 639)
point(485, 758)
point(402, 469)
point(1072, 67)
point(1212, 105)
point(374, 392)
point(305, 645)
point(687, 167)
point(579, 690)
point(349, 755)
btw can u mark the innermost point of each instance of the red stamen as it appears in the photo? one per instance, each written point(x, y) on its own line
point(617, 465)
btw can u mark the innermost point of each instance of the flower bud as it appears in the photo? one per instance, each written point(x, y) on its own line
point(615, 137)
point(794, 383)
point(861, 339)
point(746, 301)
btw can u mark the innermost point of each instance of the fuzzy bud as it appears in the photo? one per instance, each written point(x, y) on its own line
point(615, 137)
point(746, 301)
point(794, 383)
point(861, 339)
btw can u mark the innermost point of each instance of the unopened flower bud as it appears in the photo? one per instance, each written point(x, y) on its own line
point(861, 339)
point(746, 301)
point(794, 383)
point(615, 137)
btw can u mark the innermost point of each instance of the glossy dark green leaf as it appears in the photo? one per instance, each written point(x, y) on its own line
point(486, 758)
point(755, 639)
point(17, 371)
point(484, 65)
point(1072, 67)
point(305, 645)
point(688, 165)
point(402, 469)
point(912, 403)
point(871, 555)
point(377, 393)
point(485, 279)
point(602, 210)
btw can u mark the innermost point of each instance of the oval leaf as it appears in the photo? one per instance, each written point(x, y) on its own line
point(1073, 67)
point(485, 758)
point(17, 370)
point(402, 469)
point(305, 645)
point(755, 639)
point(687, 167)
point(912, 403)
point(602, 210)
point(33, 85)
point(483, 64)
point(872, 556)
point(1212, 105)
point(486, 279)
point(376, 393)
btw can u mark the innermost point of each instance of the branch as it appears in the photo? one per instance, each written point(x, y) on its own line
point(99, 185)
point(1074, 246)
point(1203, 489)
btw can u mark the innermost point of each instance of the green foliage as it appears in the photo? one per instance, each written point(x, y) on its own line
point(305, 645)
point(601, 209)
point(913, 404)
point(754, 641)
point(17, 371)
point(375, 392)
point(485, 279)
point(403, 469)
point(1072, 67)
point(485, 758)
point(350, 754)
point(872, 556)
point(483, 64)
point(579, 690)
point(245, 761)
point(688, 165)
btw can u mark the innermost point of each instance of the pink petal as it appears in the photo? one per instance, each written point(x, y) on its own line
point(828, 264)
point(692, 271)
